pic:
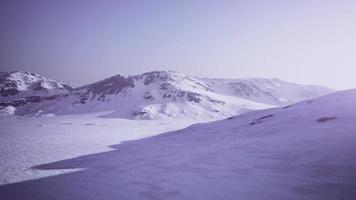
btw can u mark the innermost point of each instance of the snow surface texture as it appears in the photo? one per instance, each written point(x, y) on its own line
point(167, 94)
point(302, 151)
point(26, 142)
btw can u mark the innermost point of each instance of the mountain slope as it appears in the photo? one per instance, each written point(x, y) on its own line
point(268, 91)
point(302, 151)
point(19, 84)
point(162, 94)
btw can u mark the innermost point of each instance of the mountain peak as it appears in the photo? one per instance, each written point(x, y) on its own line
point(161, 72)
point(20, 84)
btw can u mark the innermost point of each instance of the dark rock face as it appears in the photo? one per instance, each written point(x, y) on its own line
point(165, 86)
point(148, 96)
point(113, 85)
point(194, 97)
point(7, 83)
point(14, 103)
point(215, 101)
point(67, 87)
point(7, 86)
point(261, 119)
point(99, 90)
point(152, 77)
point(181, 94)
point(8, 92)
point(325, 119)
point(33, 99)
point(26, 100)
point(83, 98)
point(51, 97)
point(167, 95)
point(141, 115)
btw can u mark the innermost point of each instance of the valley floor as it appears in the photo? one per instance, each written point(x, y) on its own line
point(27, 142)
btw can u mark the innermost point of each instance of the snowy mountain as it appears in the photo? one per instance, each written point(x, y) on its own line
point(20, 84)
point(162, 94)
point(301, 151)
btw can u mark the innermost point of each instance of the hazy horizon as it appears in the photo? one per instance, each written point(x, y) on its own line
point(78, 84)
point(309, 42)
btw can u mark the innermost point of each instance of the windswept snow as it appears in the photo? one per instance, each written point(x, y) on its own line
point(26, 142)
point(301, 151)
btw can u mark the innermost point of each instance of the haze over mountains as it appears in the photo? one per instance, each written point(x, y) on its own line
point(152, 95)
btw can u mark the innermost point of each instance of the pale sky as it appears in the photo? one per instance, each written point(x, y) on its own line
point(304, 41)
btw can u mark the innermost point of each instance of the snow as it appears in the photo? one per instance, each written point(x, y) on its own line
point(303, 151)
point(26, 142)
point(28, 84)
point(7, 111)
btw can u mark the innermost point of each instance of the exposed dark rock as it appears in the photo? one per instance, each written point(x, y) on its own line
point(194, 97)
point(165, 86)
point(14, 103)
point(141, 115)
point(148, 96)
point(261, 119)
point(113, 85)
point(166, 95)
point(83, 98)
point(152, 77)
point(325, 119)
point(149, 79)
point(9, 92)
point(67, 87)
point(33, 99)
point(216, 101)
point(51, 97)
point(265, 117)
point(181, 93)
point(26, 100)
point(285, 107)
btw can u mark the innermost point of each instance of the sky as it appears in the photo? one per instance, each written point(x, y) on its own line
point(81, 41)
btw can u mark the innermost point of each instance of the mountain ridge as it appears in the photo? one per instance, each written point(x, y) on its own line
point(159, 94)
point(21, 84)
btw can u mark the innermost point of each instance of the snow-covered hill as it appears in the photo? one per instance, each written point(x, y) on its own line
point(301, 151)
point(162, 94)
point(20, 84)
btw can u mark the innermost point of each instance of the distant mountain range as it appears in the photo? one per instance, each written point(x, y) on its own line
point(152, 95)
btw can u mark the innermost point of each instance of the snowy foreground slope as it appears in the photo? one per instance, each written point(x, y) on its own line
point(167, 94)
point(303, 151)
